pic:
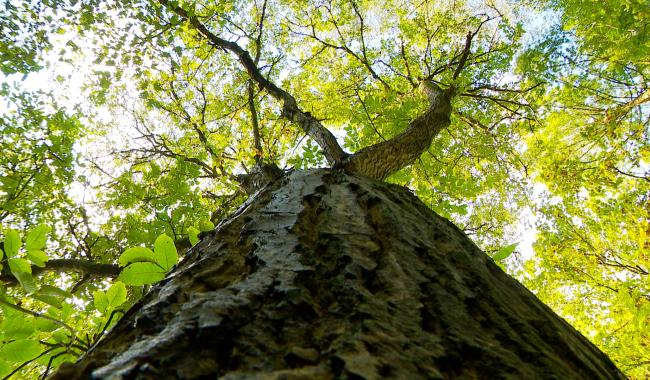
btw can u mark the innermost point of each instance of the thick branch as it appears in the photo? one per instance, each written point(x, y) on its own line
point(382, 159)
point(618, 112)
point(261, 175)
point(312, 126)
point(254, 122)
point(464, 55)
point(69, 265)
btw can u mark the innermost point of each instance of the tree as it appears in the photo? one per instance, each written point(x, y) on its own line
point(426, 95)
point(325, 274)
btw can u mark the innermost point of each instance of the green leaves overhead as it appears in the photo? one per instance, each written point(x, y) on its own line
point(20, 350)
point(591, 263)
point(144, 266)
point(12, 243)
point(105, 302)
point(504, 252)
point(121, 127)
point(614, 29)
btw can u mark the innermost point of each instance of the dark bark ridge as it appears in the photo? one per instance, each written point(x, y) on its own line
point(326, 275)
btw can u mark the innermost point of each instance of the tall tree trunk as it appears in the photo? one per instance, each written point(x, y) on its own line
point(325, 275)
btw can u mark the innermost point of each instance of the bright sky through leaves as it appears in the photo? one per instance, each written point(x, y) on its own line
point(121, 124)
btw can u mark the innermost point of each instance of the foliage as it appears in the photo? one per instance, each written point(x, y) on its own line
point(592, 156)
point(143, 266)
point(124, 128)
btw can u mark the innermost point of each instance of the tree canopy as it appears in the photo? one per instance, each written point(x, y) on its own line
point(129, 128)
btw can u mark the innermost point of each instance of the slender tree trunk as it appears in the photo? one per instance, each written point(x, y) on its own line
point(326, 275)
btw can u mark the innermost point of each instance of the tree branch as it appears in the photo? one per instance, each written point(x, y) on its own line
point(85, 267)
point(312, 126)
point(260, 30)
point(384, 158)
point(38, 315)
point(255, 123)
point(618, 112)
point(464, 55)
point(631, 175)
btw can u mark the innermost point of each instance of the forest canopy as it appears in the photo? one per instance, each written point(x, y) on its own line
point(126, 128)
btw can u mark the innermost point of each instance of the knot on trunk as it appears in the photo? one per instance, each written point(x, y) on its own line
point(261, 175)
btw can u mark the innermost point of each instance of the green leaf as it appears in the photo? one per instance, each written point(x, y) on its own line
point(16, 326)
point(165, 252)
point(66, 311)
point(5, 368)
point(45, 325)
point(50, 300)
point(19, 265)
point(22, 270)
point(26, 281)
point(142, 274)
point(137, 255)
point(100, 301)
point(193, 235)
point(20, 351)
point(51, 295)
point(504, 252)
point(37, 237)
point(116, 295)
point(37, 257)
point(206, 225)
point(12, 243)
point(50, 290)
point(61, 336)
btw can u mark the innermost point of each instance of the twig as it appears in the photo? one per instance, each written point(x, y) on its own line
point(38, 315)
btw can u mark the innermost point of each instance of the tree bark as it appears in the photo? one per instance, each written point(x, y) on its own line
point(327, 275)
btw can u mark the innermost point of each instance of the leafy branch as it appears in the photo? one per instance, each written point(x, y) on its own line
point(312, 126)
point(38, 315)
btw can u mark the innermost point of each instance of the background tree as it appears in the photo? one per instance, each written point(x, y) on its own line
point(595, 212)
point(176, 113)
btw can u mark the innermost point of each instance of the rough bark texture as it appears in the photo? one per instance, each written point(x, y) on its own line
point(325, 275)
